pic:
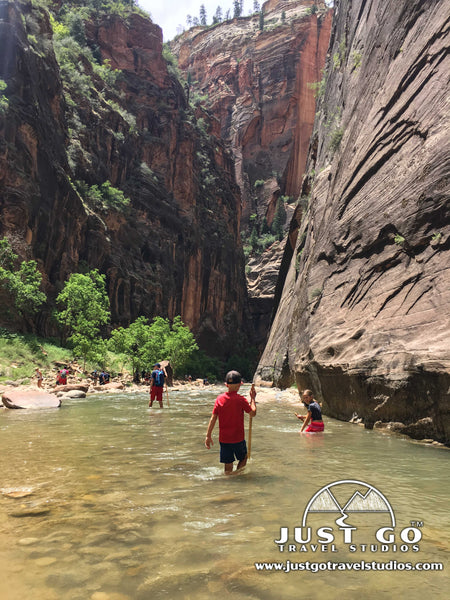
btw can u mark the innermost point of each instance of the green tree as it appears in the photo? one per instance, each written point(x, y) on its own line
point(179, 345)
point(253, 241)
point(21, 284)
point(279, 220)
point(264, 226)
point(261, 21)
point(202, 14)
point(237, 9)
point(85, 310)
point(156, 345)
point(143, 345)
point(76, 28)
point(135, 344)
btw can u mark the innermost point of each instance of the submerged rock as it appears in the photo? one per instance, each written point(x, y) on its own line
point(32, 511)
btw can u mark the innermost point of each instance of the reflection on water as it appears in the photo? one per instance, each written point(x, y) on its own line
point(106, 499)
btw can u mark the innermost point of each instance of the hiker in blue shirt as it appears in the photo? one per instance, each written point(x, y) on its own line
point(157, 384)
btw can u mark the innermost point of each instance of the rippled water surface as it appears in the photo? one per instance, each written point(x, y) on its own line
point(105, 499)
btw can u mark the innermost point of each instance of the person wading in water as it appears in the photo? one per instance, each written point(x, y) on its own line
point(312, 421)
point(229, 408)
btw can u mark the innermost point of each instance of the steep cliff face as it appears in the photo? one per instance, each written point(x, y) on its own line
point(176, 248)
point(363, 318)
point(258, 83)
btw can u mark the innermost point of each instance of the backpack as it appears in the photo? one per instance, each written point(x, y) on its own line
point(159, 377)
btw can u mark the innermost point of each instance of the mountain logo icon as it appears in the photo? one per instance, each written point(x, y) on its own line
point(355, 497)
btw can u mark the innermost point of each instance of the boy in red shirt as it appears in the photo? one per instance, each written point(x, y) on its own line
point(229, 409)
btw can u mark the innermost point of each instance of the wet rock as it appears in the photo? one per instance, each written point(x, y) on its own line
point(263, 383)
point(109, 386)
point(74, 394)
point(391, 425)
point(29, 399)
point(423, 428)
point(37, 511)
point(46, 561)
point(82, 387)
point(174, 585)
point(16, 493)
point(68, 579)
point(28, 541)
point(355, 419)
point(109, 596)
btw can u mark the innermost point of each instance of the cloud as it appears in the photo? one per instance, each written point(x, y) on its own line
point(170, 14)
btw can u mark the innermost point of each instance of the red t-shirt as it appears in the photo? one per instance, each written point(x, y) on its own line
point(230, 408)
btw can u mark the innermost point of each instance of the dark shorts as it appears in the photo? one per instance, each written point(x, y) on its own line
point(231, 452)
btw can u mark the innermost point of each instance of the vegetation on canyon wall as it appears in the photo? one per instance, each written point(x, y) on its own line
point(83, 314)
point(237, 11)
point(108, 166)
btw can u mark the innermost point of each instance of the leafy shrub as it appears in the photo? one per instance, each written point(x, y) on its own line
point(356, 57)
point(265, 241)
point(102, 197)
point(318, 87)
point(4, 102)
point(336, 138)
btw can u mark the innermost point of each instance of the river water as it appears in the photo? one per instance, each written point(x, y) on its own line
point(105, 499)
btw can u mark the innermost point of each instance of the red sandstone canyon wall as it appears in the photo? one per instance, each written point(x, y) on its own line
point(364, 313)
point(176, 249)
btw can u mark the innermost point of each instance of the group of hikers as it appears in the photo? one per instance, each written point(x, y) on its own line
point(229, 409)
point(101, 376)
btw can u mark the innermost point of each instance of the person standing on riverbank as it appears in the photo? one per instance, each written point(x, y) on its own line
point(39, 377)
point(157, 384)
point(229, 408)
point(61, 378)
point(312, 421)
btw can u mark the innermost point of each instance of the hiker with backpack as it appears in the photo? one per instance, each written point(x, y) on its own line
point(157, 384)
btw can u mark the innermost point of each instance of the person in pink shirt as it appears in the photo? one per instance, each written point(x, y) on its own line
point(229, 408)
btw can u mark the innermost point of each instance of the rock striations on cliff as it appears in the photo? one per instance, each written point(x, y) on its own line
point(363, 316)
point(257, 80)
point(75, 122)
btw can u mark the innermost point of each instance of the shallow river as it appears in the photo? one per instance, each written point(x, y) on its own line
point(105, 499)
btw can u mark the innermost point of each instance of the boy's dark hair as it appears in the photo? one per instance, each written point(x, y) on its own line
point(233, 377)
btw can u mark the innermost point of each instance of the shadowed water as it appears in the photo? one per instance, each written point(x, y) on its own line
point(105, 499)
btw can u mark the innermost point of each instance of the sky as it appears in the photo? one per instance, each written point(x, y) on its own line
point(169, 14)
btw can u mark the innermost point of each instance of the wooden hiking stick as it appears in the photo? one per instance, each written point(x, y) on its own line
point(249, 447)
point(167, 392)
